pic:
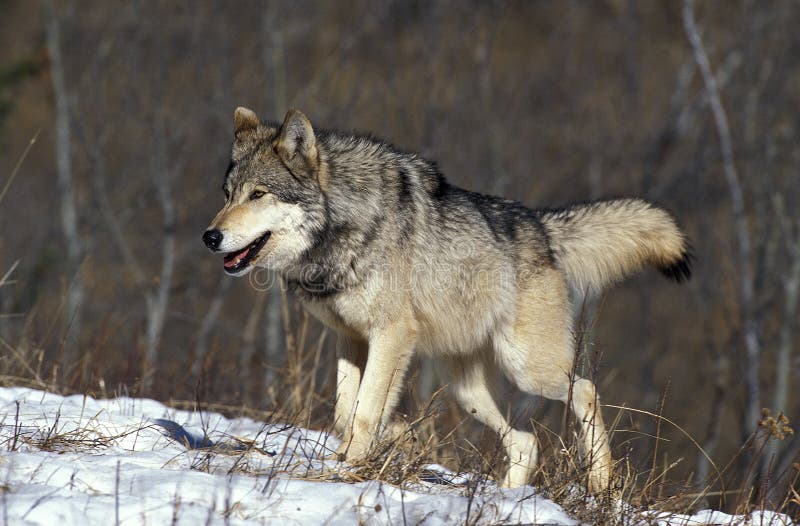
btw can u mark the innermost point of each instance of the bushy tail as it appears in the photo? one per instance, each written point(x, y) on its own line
point(599, 243)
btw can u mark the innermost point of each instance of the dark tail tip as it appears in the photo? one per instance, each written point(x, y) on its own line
point(680, 270)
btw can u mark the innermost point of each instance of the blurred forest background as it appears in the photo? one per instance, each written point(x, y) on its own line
point(108, 288)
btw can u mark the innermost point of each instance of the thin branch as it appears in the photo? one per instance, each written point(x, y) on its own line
point(4, 280)
point(19, 164)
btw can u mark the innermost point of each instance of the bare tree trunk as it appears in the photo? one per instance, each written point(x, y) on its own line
point(783, 365)
point(783, 360)
point(275, 61)
point(157, 301)
point(749, 324)
point(66, 187)
point(745, 266)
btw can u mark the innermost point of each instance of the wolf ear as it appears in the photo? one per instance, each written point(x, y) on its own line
point(296, 144)
point(244, 120)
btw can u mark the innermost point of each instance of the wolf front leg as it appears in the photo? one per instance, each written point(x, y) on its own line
point(390, 351)
point(351, 360)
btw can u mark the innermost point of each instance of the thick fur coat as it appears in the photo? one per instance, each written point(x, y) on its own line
point(379, 246)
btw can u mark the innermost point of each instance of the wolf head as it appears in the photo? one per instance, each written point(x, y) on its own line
point(273, 201)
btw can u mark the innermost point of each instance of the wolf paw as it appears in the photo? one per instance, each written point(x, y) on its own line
point(350, 450)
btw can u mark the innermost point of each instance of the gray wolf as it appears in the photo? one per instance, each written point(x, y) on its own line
point(379, 246)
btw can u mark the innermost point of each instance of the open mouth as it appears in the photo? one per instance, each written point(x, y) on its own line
point(235, 262)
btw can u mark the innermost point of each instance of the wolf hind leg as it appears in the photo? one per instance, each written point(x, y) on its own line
point(536, 351)
point(474, 383)
point(593, 439)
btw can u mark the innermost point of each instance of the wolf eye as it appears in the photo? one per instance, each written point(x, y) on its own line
point(257, 194)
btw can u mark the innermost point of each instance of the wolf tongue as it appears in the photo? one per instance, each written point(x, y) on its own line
point(232, 259)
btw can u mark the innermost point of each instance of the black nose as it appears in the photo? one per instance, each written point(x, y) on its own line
point(212, 239)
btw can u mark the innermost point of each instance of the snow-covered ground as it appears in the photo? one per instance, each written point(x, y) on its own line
point(77, 460)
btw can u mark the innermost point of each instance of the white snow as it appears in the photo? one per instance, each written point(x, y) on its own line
point(111, 464)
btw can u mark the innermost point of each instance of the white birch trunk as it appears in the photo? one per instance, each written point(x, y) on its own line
point(66, 189)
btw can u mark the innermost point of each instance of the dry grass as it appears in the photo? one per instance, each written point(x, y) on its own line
point(439, 433)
